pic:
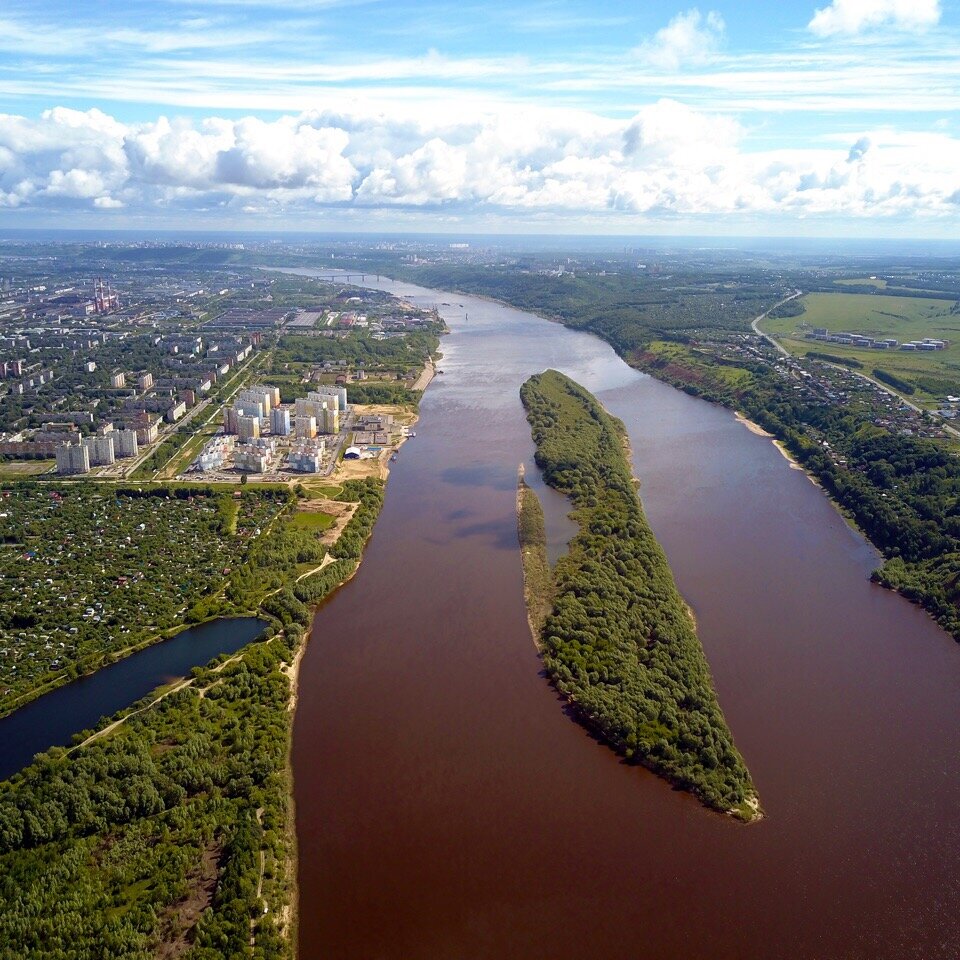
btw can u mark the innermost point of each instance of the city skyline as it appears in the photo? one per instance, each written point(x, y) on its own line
point(810, 119)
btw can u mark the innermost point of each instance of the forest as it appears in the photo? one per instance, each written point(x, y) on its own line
point(155, 838)
point(171, 834)
point(359, 350)
point(619, 642)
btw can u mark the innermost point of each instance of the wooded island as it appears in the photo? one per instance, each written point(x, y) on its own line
point(619, 641)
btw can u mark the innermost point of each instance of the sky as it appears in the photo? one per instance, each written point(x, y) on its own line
point(796, 118)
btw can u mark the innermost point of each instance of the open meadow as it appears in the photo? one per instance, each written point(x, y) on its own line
point(933, 374)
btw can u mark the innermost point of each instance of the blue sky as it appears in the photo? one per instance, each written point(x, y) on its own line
point(810, 118)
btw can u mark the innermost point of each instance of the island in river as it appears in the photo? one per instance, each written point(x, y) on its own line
point(619, 642)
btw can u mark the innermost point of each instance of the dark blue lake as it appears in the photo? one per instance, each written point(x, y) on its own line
point(54, 718)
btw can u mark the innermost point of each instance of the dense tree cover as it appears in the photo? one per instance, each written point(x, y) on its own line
point(359, 349)
point(891, 379)
point(619, 641)
point(90, 570)
point(154, 839)
point(851, 362)
point(154, 833)
point(389, 393)
point(792, 308)
point(368, 494)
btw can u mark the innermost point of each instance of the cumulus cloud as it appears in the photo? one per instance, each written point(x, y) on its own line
point(689, 38)
point(854, 16)
point(668, 160)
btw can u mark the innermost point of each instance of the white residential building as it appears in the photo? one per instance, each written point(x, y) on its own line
point(100, 450)
point(73, 458)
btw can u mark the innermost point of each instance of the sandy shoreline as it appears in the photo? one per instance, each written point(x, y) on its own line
point(757, 430)
point(527, 594)
point(750, 425)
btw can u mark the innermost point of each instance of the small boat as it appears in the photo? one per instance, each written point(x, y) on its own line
point(393, 459)
point(413, 433)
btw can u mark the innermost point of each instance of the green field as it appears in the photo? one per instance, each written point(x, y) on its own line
point(315, 521)
point(863, 282)
point(18, 469)
point(934, 374)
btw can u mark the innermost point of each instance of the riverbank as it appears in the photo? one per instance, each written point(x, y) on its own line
point(426, 376)
point(255, 848)
point(537, 581)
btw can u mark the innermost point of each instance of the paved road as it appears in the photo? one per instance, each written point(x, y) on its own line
point(763, 316)
point(882, 386)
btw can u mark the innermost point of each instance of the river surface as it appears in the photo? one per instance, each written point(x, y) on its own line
point(448, 808)
point(53, 719)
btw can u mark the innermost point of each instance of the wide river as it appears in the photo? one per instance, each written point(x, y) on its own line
point(448, 808)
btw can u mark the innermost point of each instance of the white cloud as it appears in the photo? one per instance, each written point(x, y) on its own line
point(689, 38)
point(854, 16)
point(667, 161)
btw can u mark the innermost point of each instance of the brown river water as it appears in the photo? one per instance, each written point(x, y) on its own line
point(449, 809)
